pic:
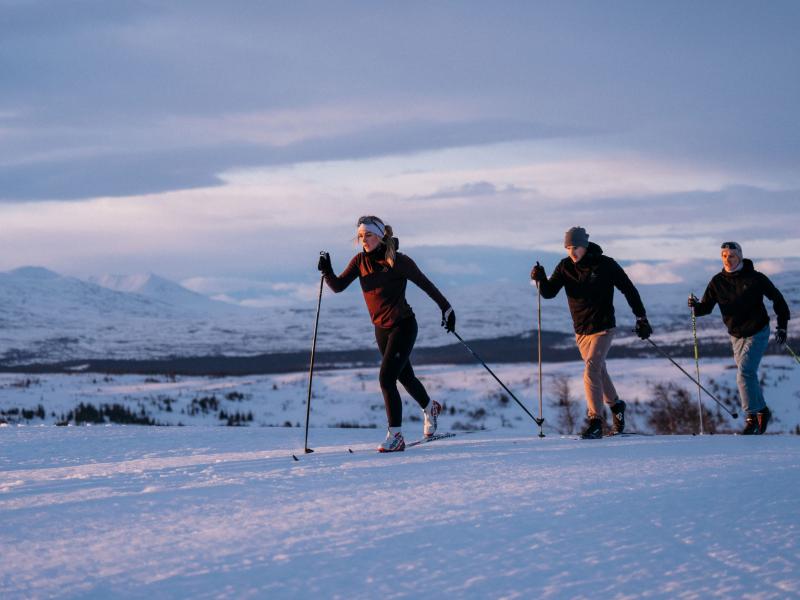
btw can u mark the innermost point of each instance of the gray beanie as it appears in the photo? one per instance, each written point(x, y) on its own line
point(734, 247)
point(576, 236)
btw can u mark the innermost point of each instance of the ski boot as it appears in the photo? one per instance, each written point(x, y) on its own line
point(751, 425)
point(394, 442)
point(618, 417)
point(594, 429)
point(763, 416)
point(430, 417)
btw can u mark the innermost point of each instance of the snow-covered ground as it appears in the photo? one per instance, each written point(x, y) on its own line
point(148, 512)
point(352, 398)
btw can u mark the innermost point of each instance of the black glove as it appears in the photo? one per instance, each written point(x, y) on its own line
point(693, 301)
point(538, 274)
point(324, 264)
point(643, 329)
point(780, 336)
point(449, 320)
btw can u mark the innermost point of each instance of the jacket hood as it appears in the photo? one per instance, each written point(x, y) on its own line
point(379, 249)
point(747, 267)
point(594, 249)
point(589, 260)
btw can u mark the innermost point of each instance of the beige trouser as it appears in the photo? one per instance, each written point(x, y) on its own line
point(596, 381)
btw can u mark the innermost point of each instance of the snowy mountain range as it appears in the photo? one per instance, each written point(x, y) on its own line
point(43, 292)
point(47, 317)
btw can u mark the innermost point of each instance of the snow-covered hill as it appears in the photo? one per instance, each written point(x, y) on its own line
point(46, 317)
point(133, 512)
point(44, 293)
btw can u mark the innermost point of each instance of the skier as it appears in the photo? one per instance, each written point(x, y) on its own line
point(589, 278)
point(383, 273)
point(739, 290)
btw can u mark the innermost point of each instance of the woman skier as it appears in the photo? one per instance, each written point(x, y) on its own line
point(383, 273)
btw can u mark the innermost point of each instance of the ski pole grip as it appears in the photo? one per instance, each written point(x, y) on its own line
point(533, 281)
point(324, 264)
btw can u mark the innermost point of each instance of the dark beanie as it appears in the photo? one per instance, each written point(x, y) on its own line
point(576, 236)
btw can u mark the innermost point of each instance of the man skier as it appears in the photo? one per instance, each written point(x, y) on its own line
point(589, 279)
point(740, 290)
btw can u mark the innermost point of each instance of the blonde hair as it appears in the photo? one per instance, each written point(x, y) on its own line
point(391, 249)
point(387, 239)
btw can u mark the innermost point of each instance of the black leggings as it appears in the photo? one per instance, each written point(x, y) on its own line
point(395, 345)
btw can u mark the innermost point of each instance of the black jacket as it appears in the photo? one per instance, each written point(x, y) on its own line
point(740, 296)
point(590, 284)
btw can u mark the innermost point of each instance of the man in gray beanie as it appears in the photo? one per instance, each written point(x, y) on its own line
point(576, 237)
point(589, 279)
point(740, 290)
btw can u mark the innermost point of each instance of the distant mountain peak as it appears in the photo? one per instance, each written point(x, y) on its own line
point(32, 272)
point(155, 287)
point(137, 283)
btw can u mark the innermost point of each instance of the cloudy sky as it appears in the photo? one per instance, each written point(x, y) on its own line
point(220, 141)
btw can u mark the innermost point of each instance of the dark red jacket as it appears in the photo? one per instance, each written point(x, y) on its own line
point(384, 286)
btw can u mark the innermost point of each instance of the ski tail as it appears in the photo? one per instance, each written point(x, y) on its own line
point(427, 440)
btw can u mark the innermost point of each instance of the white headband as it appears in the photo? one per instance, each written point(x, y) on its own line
point(374, 228)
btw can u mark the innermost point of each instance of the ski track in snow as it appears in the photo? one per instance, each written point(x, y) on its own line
point(200, 512)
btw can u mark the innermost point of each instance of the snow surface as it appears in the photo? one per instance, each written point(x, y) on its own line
point(148, 512)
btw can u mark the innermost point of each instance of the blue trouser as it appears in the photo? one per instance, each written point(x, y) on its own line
point(747, 353)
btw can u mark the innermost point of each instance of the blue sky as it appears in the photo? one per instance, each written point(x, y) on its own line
point(210, 140)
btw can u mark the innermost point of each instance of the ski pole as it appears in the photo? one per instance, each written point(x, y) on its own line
point(539, 336)
point(797, 358)
point(306, 449)
point(712, 396)
point(697, 368)
point(485, 366)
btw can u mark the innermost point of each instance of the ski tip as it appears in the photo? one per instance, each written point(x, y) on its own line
point(294, 457)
